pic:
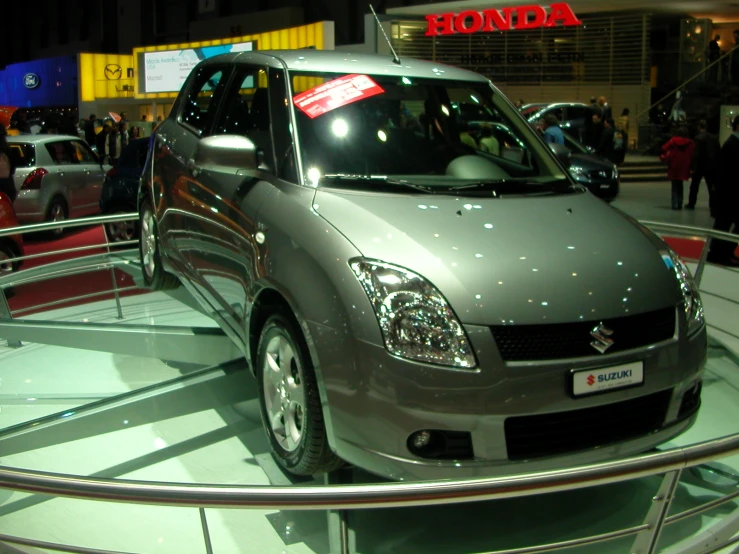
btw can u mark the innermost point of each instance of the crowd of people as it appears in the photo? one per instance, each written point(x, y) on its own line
point(704, 158)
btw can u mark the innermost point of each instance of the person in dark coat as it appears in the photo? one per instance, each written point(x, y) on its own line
point(678, 155)
point(595, 131)
point(90, 130)
point(705, 165)
point(727, 201)
point(605, 146)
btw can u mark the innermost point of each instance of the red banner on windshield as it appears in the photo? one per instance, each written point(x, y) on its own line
point(335, 94)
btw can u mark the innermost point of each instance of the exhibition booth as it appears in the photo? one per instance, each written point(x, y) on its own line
point(145, 83)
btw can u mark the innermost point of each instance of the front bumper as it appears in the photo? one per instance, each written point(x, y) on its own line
point(376, 402)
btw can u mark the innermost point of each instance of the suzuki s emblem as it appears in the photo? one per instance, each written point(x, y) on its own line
point(113, 72)
point(602, 336)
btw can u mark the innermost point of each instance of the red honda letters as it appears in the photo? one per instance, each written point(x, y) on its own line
point(487, 21)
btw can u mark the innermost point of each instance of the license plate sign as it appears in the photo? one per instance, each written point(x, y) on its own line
point(608, 378)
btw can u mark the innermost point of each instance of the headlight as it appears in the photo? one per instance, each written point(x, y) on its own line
point(691, 297)
point(615, 172)
point(415, 319)
point(579, 174)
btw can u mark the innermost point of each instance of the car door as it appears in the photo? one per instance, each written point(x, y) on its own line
point(228, 262)
point(69, 177)
point(180, 206)
point(93, 174)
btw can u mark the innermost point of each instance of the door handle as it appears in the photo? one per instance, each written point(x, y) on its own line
point(61, 174)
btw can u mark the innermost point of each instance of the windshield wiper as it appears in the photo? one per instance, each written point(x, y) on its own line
point(510, 186)
point(381, 180)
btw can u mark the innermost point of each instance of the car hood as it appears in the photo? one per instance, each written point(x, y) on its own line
point(591, 162)
point(522, 260)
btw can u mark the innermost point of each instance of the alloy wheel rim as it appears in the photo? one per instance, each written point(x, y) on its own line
point(284, 394)
point(148, 243)
point(6, 264)
point(57, 215)
point(121, 231)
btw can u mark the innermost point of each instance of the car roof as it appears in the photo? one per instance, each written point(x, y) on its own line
point(40, 139)
point(333, 61)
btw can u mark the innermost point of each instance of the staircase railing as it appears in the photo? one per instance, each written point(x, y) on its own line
point(687, 82)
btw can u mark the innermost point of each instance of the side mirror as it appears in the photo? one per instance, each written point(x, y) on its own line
point(562, 153)
point(226, 152)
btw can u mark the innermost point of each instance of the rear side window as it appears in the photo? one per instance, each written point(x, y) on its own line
point(61, 152)
point(202, 99)
point(23, 154)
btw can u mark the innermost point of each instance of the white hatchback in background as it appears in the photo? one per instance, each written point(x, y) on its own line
point(58, 177)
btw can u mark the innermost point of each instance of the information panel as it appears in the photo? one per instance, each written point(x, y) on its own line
point(166, 71)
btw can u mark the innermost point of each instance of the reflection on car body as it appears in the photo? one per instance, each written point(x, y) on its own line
point(409, 302)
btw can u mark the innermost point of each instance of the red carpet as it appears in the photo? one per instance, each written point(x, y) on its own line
point(689, 249)
point(33, 296)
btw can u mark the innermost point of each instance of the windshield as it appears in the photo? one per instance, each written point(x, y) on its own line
point(433, 132)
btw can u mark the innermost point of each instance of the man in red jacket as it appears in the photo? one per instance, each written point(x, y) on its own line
point(678, 154)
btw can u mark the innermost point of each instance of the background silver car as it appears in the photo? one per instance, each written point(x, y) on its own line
point(411, 302)
point(57, 177)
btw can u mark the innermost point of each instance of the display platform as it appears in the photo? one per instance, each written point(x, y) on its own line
point(92, 413)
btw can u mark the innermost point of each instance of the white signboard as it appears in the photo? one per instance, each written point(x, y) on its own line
point(167, 71)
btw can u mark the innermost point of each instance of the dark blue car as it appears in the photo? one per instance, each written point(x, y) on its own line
point(120, 187)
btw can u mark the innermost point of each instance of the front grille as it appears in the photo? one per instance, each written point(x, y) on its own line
point(572, 340)
point(543, 435)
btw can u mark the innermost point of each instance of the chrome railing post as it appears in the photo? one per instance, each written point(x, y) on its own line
point(702, 262)
point(112, 275)
point(340, 535)
point(5, 313)
point(646, 541)
point(206, 533)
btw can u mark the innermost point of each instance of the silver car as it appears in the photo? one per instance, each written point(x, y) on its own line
point(58, 177)
point(412, 301)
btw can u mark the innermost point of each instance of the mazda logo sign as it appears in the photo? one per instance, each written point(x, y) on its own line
point(113, 72)
point(31, 80)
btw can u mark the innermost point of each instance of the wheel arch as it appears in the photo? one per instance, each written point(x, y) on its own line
point(266, 302)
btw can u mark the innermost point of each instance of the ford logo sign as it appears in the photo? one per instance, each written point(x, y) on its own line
point(31, 80)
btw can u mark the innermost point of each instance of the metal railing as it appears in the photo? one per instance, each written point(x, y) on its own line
point(69, 267)
point(340, 499)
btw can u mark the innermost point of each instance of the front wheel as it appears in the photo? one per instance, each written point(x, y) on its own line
point(291, 406)
point(7, 265)
point(155, 277)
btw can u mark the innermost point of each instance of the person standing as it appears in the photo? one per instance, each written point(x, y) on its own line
point(678, 155)
point(595, 131)
point(714, 53)
point(705, 163)
point(7, 168)
point(552, 131)
point(734, 60)
point(727, 201)
point(605, 109)
point(605, 146)
point(89, 129)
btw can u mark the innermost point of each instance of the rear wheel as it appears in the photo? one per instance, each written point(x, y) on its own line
point(155, 277)
point(57, 213)
point(291, 405)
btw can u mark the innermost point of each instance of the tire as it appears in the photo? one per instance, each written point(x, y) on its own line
point(155, 277)
point(6, 259)
point(121, 231)
point(57, 212)
point(289, 399)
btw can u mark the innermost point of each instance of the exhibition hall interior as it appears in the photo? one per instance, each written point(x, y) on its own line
point(317, 277)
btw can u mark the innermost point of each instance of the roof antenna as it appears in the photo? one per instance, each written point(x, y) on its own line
point(396, 59)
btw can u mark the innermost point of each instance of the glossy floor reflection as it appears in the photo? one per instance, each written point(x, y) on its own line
point(208, 431)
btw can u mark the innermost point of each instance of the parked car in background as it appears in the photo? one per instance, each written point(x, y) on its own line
point(598, 174)
point(409, 303)
point(120, 188)
point(58, 177)
point(573, 116)
point(10, 247)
